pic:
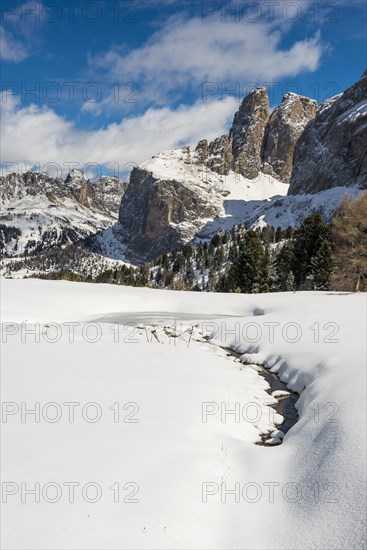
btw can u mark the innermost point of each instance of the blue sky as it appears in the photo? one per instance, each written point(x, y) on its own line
point(117, 81)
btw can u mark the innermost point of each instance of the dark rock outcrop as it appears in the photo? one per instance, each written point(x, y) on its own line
point(247, 133)
point(332, 151)
point(220, 155)
point(202, 150)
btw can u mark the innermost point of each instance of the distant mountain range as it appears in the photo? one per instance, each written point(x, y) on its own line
point(39, 213)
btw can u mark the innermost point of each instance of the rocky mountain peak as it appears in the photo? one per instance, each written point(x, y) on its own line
point(177, 194)
point(260, 142)
point(247, 133)
point(75, 177)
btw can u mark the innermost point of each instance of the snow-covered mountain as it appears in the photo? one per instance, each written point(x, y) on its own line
point(180, 196)
point(39, 212)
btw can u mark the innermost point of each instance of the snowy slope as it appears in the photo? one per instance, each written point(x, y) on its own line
point(182, 166)
point(317, 474)
point(286, 211)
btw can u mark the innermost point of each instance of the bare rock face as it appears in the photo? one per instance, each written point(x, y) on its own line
point(159, 212)
point(247, 133)
point(286, 124)
point(332, 151)
point(259, 143)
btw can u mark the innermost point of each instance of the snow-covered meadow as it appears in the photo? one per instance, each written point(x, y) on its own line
point(134, 442)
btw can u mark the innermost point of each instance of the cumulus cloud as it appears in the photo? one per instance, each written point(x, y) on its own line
point(36, 135)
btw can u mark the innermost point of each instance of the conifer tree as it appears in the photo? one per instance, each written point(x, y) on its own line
point(289, 232)
point(308, 239)
point(283, 267)
point(265, 270)
point(278, 235)
point(322, 266)
point(245, 273)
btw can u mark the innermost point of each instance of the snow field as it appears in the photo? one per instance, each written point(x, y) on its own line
point(199, 484)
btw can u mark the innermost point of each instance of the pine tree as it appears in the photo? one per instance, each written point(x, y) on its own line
point(158, 277)
point(245, 273)
point(177, 264)
point(289, 232)
point(188, 251)
point(283, 267)
point(322, 266)
point(215, 241)
point(265, 270)
point(308, 238)
point(232, 254)
point(189, 276)
point(267, 234)
point(219, 257)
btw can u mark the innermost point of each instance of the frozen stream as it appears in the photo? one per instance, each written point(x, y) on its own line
point(286, 399)
point(168, 321)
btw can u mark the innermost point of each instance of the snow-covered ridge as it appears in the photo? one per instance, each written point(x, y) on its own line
point(185, 167)
point(356, 111)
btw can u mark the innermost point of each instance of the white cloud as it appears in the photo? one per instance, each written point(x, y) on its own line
point(185, 53)
point(21, 31)
point(37, 136)
point(10, 48)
